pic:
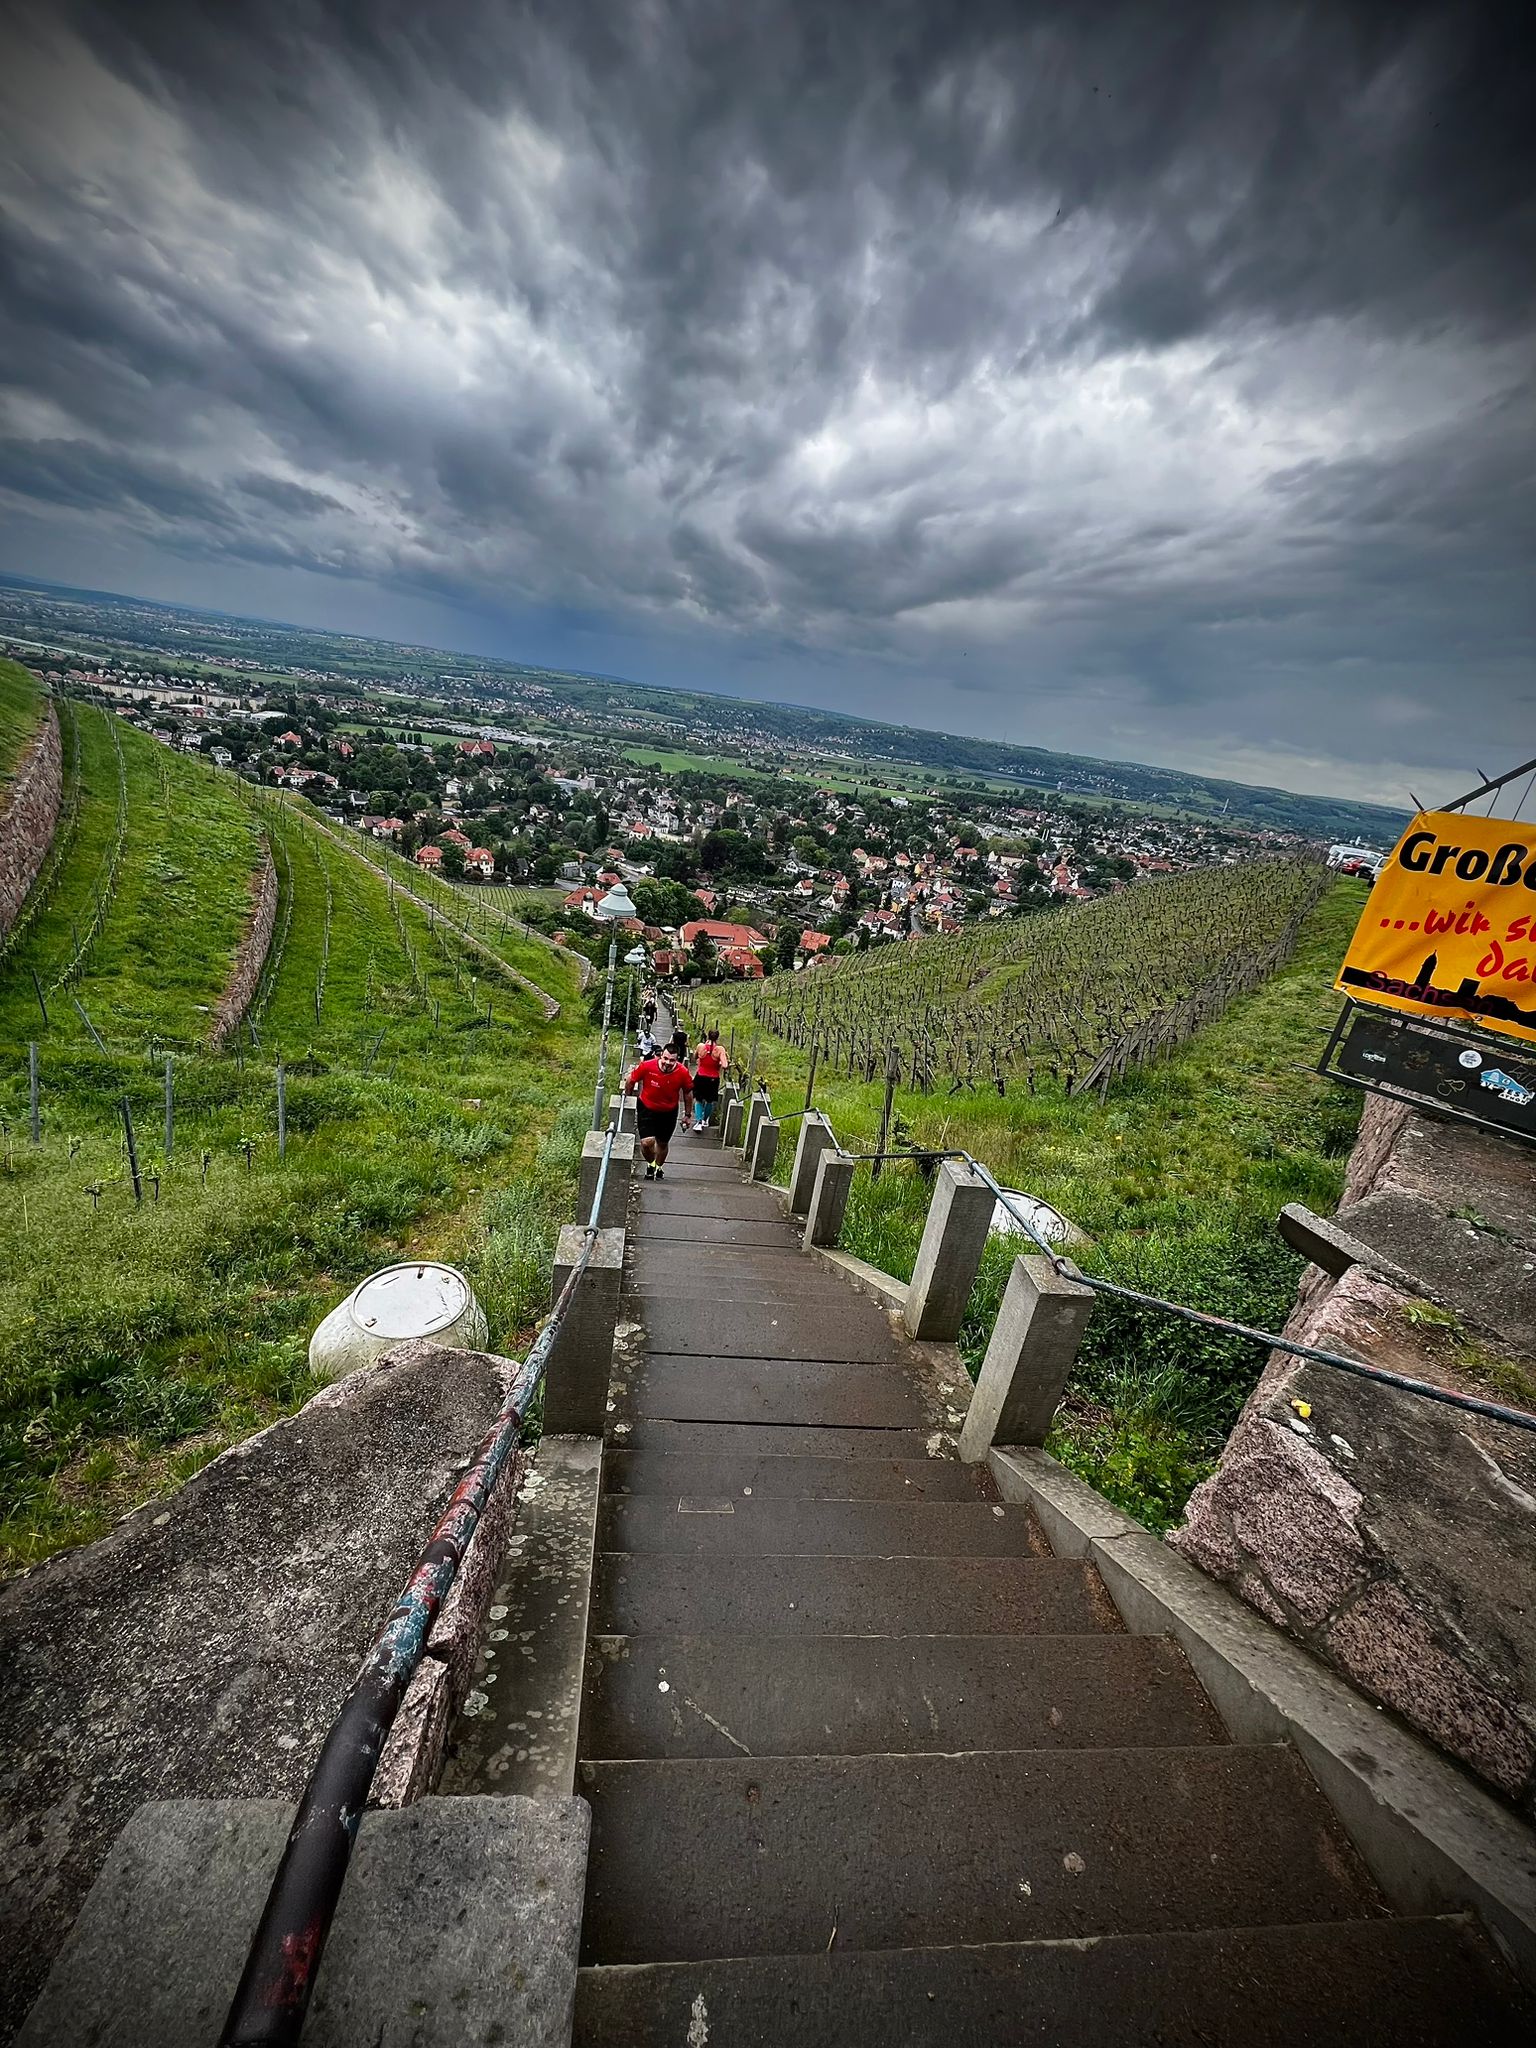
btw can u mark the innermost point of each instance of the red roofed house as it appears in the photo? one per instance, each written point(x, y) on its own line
point(812, 943)
point(481, 861)
point(722, 934)
point(454, 837)
point(429, 856)
point(289, 739)
point(742, 960)
point(477, 749)
point(584, 900)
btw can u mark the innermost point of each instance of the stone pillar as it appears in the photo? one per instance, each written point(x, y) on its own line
point(954, 1238)
point(621, 1112)
point(615, 1188)
point(757, 1109)
point(1034, 1344)
point(814, 1139)
point(829, 1198)
point(765, 1149)
point(729, 1093)
point(730, 1129)
point(581, 1363)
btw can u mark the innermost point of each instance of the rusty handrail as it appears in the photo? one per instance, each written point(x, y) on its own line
point(273, 1994)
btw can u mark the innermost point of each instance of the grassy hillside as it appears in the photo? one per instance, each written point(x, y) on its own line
point(1177, 1176)
point(21, 712)
point(136, 1341)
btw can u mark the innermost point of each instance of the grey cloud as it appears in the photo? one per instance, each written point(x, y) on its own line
point(1076, 344)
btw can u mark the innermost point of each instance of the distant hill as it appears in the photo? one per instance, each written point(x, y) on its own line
point(105, 620)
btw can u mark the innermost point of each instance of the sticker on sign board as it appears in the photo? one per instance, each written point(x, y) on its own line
point(1469, 1058)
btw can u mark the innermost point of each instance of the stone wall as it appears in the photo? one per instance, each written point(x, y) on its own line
point(201, 1649)
point(29, 812)
point(251, 955)
point(1394, 1536)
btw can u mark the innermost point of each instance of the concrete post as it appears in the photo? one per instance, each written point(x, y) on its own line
point(730, 1130)
point(615, 1189)
point(814, 1139)
point(729, 1094)
point(954, 1238)
point(581, 1363)
point(1034, 1343)
point(757, 1109)
point(621, 1112)
point(829, 1198)
point(765, 1149)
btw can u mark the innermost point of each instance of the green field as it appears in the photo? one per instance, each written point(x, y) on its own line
point(21, 712)
point(136, 1340)
point(1178, 1177)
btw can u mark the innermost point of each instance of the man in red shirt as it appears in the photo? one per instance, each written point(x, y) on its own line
point(660, 1082)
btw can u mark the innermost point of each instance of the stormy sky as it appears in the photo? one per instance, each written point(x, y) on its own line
point(1154, 381)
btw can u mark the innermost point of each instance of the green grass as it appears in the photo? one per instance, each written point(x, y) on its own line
point(1178, 1178)
point(21, 713)
point(135, 1342)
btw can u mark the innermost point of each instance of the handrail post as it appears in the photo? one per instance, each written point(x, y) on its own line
point(758, 1108)
point(829, 1198)
point(615, 1203)
point(581, 1357)
point(954, 1238)
point(765, 1149)
point(814, 1139)
point(1034, 1346)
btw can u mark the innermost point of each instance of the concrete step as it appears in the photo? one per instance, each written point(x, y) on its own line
point(716, 1525)
point(721, 1389)
point(840, 1596)
point(843, 1327)
point(864, 1695)
point(768, 1439)
point(1338, 1984)
point(736, 1198)
point(731, 1274)
point(787, 1855)
point(651, 1224)
point(790, 1478)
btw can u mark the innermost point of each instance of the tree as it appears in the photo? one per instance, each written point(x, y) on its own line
point(668, 903)
point(786, 945)
point(674, 864)
point(703, 953)
point(453, 861)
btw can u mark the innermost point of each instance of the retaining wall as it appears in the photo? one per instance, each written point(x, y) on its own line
point(251, 955)
point(1394, 1536)
point(29, 813)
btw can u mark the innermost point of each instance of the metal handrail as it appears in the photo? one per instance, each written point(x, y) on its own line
point(1225, 1326)
point(273, 1994)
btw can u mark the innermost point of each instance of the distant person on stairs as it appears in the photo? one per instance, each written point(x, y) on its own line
point(710, 1062)
point(660, 1083)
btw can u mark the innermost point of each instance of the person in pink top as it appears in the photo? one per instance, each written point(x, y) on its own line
point(710, 1062)
point(659, 1083)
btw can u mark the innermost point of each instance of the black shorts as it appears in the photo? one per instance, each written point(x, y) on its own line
point(655, 1123)
point(706, 1087)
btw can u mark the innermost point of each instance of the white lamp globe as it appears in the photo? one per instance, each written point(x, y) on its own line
point(617, 903)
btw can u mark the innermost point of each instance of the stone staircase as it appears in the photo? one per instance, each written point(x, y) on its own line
point(866, 1762)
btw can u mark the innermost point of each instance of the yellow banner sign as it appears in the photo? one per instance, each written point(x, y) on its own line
point(1447, 929)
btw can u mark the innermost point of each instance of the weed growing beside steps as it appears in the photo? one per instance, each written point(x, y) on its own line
point(1178, 1178)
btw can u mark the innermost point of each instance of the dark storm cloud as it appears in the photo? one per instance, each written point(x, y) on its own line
point(1144, 370)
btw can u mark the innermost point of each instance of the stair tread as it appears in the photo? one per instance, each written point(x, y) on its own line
point(694, 1437)
point(846, 1328)
point(717, 1388)
point(770, 1855)
point(1377, 1983)
point(885, 1596)
point(761, 1476)
point(862, 1695)
point(715, 1524)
